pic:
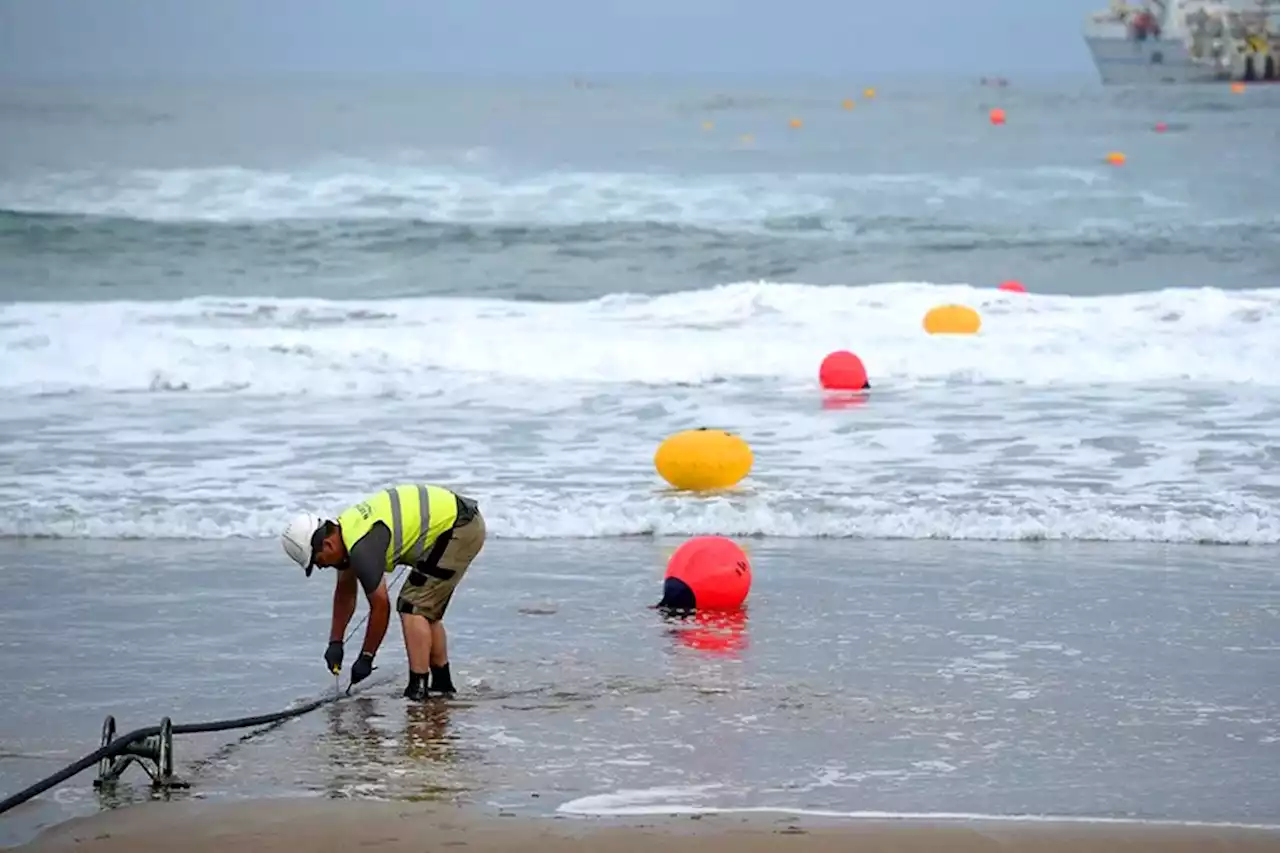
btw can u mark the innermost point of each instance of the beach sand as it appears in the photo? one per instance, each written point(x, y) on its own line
point(315, 825)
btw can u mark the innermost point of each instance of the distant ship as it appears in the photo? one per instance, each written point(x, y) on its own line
point(1186, 41)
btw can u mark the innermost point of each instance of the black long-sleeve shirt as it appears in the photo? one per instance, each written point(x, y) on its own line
point(368, 557)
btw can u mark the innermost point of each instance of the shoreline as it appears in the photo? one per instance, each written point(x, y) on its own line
point(282, 825)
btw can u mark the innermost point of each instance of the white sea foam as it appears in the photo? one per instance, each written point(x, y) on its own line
point(369, 190)
point(741, 331)
point(684, 801)
point(178, 512)
point(1143, 417)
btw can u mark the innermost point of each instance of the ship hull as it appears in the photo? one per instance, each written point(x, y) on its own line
point(1125, 62)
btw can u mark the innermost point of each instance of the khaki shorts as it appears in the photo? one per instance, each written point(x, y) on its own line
point(430, 585)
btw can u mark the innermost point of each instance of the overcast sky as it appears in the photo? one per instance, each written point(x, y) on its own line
point(132, 38)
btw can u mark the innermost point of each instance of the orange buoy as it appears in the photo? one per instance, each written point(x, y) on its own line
point(1116, 158)
point(796, 123)
point(1013, 286)
point(702, 459)
point(952, 320)
point(843, 371)
point(996, 115)
point(706, 573)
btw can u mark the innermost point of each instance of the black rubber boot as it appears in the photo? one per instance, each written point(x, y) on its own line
point(417, 688)
point(442, 681)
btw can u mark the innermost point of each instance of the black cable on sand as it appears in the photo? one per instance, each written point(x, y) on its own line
point(120, 745)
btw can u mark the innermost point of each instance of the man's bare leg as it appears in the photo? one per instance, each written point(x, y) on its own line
point(417, 645)
point(439, 644)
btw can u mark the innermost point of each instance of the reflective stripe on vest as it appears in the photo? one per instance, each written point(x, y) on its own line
point(416, 515)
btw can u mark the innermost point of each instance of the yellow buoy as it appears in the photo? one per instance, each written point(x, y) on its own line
point(847, 103)
point(952, 320)
point(869, 92)
point(701, 459)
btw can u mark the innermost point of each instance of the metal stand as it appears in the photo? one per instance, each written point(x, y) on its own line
point(154, 755)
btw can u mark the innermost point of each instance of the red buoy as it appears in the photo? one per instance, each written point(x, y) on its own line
point(1013, 286)
point(706, 573)
point(843, 371)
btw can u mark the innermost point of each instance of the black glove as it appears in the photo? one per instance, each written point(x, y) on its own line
point(361, 668)
point(333, 656)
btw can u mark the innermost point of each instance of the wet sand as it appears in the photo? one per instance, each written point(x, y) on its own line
point(315, 825)
point(881, 678)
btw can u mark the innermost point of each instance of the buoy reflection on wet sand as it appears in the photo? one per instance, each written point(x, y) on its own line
point(716, 632)
point(836, 400)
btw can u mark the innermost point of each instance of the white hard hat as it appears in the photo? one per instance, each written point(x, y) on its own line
point(296, 539)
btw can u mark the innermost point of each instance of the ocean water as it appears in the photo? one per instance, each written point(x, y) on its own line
point(226, 303)
point(220, 304)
